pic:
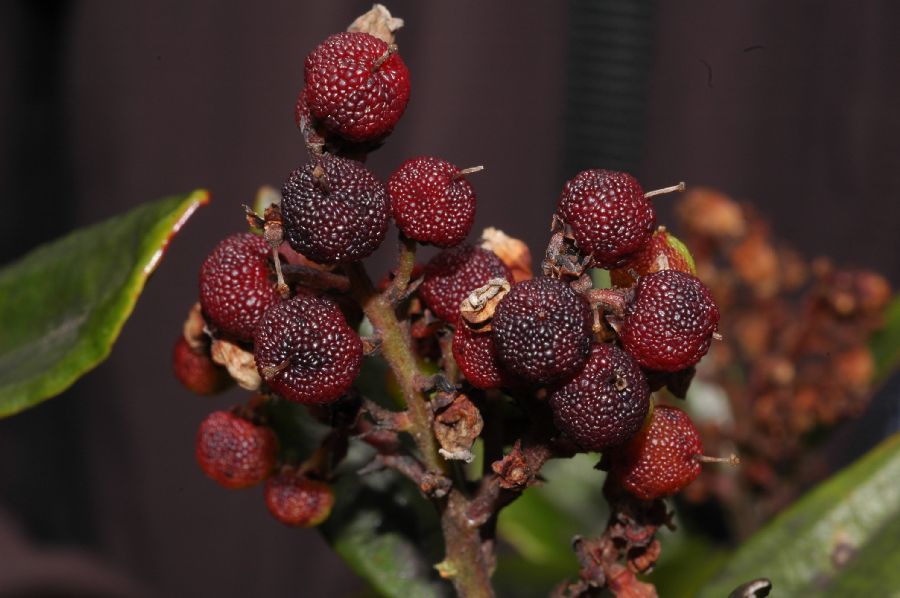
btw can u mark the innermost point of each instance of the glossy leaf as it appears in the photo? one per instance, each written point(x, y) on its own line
point(64, 304)
point(841, 539)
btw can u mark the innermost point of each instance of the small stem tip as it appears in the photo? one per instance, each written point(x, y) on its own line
point(465, 171)
point(392, 49)
point(717, 336)
point(731, 459)
point(679, 187)
point(283, 289)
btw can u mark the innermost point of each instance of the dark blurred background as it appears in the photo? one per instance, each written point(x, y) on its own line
point(106, 104)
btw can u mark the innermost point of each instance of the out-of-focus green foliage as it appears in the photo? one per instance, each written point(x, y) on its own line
point(885, 344)
point(841, 539)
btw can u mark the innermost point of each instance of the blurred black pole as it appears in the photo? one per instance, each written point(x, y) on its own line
point(610, 55)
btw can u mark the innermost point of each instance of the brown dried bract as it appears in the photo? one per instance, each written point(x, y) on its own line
point(513, 470)
point(456, 427)
point(477, 309)
point(239, 363)
point(378, 22)
point(511, 251)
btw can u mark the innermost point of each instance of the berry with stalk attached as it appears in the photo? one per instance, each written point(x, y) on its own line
point(234, 451)
point(662, 458)
point(298, 501)
point(671, 321)
point(542, 330)
point(305, 350)
point(606, 403)
point(237, 285)
point(431, 201)
point(335, 211)
point(610, 218)
point(454, 273)
point(356, 85)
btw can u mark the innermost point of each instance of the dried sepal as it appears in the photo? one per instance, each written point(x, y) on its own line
point(511, 251)
point(377, 22)
point(477, 309)
point(239, 363)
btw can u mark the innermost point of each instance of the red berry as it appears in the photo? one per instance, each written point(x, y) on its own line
point(297, 500)
point(356, 86)
point(196, 371)
point(661, 459)
point(542, 330)
point(476, 357)
point(305, 351)
point(669, 324)
point(431, 201)
point(235, 452)
point(609, 216)
point(454, 273)
point(335, 211)
point(664, 252)
point(606, 403)
point(237, 284)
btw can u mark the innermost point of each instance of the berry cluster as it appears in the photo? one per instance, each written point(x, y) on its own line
point(280, 307)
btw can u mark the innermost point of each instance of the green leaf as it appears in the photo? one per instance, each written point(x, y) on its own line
point(885, 344)
point(63, 305)
point(841, 539)
point(388, 534)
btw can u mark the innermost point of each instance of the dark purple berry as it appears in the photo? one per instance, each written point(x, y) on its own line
point(335, 211)
point(606, 403)
point(305, 351)
point(542, 330)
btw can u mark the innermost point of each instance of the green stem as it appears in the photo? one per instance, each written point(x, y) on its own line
point(466, 563)
point(395, 347)
point(405, 266)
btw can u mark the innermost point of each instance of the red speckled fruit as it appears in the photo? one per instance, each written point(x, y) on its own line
point(297, 500)
point(542, 330)
point(454, 273)
point(235, 452)
point(355, 88)
point(196, 371)
point(237, 284)
point(660, 460)
point(606, 403)
point(431, 202)
point(663, 244)
point(609, 216)
point(335, 211)
point(476, 357)
point(305, 351)
point(669, 324)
